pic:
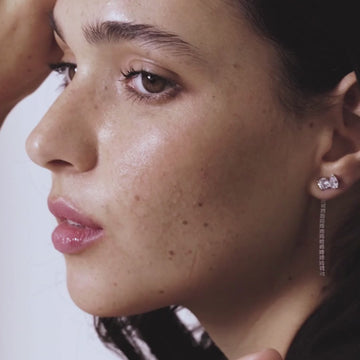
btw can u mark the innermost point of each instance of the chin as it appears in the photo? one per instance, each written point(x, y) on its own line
point(104, 308)
point(97, 303)
point(105, 300)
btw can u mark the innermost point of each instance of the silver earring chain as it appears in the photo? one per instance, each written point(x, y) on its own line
point(322, 237)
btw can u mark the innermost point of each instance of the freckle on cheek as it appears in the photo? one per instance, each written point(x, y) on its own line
point(161, 292)
point(115, 284)
point(185, 222)
point(172, 253)
point(137, 198)
point(204, 174)
point(206, 225)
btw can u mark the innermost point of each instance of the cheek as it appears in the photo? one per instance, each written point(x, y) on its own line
point(178, 205)
point(158, 190)
point(172, 188)
point(148, 197)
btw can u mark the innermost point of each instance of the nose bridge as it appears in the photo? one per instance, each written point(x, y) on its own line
point(66, 136)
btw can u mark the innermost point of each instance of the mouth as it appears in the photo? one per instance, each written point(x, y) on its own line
point(76, 231)
point(73, 223)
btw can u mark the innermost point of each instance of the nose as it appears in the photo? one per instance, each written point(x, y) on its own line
point(65, 137)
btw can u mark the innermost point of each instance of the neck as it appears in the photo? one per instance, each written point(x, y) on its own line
point(268, 306)
point(247, 326)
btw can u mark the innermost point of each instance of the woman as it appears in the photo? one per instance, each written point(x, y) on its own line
point(194, 151)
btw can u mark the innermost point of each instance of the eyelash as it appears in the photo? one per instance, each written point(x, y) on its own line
point(171, 89)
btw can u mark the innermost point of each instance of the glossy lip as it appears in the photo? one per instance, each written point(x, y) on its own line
point(76, 231)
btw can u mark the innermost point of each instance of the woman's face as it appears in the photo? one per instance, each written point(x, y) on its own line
point(170, 136)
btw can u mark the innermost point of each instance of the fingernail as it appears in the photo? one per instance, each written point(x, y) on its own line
point(268, 354)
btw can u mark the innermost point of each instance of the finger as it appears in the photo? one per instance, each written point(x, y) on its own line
point(268, 354)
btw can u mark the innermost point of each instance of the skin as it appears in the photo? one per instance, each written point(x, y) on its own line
point(201, 195)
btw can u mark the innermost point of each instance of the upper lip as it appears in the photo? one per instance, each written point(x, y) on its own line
point(63, 210)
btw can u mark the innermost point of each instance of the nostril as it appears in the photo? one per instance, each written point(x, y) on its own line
point(57, 163)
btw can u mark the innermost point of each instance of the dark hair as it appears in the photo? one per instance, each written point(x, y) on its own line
point(318, 44)
point(316, 41)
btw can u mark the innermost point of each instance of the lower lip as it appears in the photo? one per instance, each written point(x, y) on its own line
point(70, 239)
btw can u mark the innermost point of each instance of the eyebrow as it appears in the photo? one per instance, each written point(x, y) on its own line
point(144, 34)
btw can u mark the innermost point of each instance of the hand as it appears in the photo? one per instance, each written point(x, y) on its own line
point(27, 47)
point(264, 355)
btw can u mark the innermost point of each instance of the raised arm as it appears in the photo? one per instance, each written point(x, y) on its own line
point(27, 47)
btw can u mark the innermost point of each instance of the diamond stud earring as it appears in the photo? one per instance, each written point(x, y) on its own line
point(331, 183)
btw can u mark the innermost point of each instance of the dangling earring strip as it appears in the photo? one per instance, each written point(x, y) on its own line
point(324, 184)
point(322, 227)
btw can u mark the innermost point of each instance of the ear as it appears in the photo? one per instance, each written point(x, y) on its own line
point(340, 141)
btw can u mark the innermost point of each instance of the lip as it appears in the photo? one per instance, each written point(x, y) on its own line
point(76, 232)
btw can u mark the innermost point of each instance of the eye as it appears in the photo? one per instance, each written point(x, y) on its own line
point(150, 83)
point(148, 86)
point(67, 70)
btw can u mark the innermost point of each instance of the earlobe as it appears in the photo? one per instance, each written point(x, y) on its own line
point(340, 160)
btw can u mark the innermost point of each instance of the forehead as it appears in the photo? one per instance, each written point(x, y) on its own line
point(120, 9)
point(199, 22)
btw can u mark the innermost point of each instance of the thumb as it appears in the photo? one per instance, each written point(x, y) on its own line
point(268, 354)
